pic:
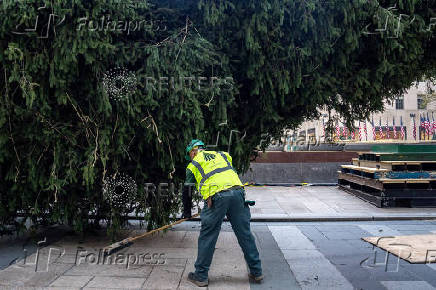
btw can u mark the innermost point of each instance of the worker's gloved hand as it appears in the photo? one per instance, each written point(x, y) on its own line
point(187, 201)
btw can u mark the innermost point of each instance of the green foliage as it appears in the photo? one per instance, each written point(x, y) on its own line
point(61, 135)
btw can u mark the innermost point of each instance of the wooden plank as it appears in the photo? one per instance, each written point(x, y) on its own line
point(412, 162)
point(394, 197)
point(349, 166)
point(410, 194)
point(406, 180)
point(374, 164)
point(419, 181)
point(416, 249)
point(375, 200)
point(373, 183)
point(388, 180)
point(364, 169)
point(393, 162)
point(372, 170)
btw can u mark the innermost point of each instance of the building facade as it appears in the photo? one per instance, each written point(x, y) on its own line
point(411, 117)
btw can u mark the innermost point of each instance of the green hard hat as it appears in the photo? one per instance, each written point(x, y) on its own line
point(191, 145)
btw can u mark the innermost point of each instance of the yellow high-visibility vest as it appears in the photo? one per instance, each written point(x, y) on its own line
point(213, 172)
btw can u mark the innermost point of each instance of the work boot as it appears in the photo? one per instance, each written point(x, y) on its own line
point(197, 281)
point(257, 279)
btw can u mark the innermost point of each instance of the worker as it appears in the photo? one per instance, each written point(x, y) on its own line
point(223, 194)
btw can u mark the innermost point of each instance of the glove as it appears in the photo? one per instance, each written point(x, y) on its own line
point(187, 200)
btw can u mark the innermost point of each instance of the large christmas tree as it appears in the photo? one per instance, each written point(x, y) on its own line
point(100, 98)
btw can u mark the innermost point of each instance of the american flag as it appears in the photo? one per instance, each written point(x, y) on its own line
point(414, 128)
point(422, 124)
point(433, 127)
point(344, 131)
point(387, 128)
point(323, 128)
point(427, 126)
point(366, 131)
point(360, 132)
point(403, 133)
point(395, 128)
point(374, 134)
point(380, 129)
point(338, 130)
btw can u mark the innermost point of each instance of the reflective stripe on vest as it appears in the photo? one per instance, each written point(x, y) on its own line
point(204, 176)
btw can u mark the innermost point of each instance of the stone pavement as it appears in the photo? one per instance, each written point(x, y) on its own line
point(316, 203)
point(295, 255)
point(331, 255)
point(304, 255)
point(158, 262)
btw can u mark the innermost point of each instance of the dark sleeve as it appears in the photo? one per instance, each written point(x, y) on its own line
point(188, 189)
point(190, 178)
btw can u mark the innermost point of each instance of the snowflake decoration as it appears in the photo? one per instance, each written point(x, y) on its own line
point(119, 190)
point(119, 83)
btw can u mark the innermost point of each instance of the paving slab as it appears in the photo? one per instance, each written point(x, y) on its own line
point(115, 283)
point(234, 281)
point(319, 203)
point(178, 249)
point(355, 260)
point(290, 237)
point(311, 269)
point(71, 281)
point(110, 270)
point(184, 283)
point(407, 285)
point(165, 277)
point(23, 276)
point(275, 268)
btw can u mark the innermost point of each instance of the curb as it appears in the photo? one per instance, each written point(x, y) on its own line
point(289, 184)
point(334, 219)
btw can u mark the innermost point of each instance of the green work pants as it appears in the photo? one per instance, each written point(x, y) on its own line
point(231, 203)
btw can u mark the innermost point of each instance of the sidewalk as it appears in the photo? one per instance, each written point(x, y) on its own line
point(300, 255)
point(322, 203)
point(159, 262)
point(294, 255)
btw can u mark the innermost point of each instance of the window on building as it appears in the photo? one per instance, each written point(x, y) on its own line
point(421, 103)
point(399, 103)
point(312, 136)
